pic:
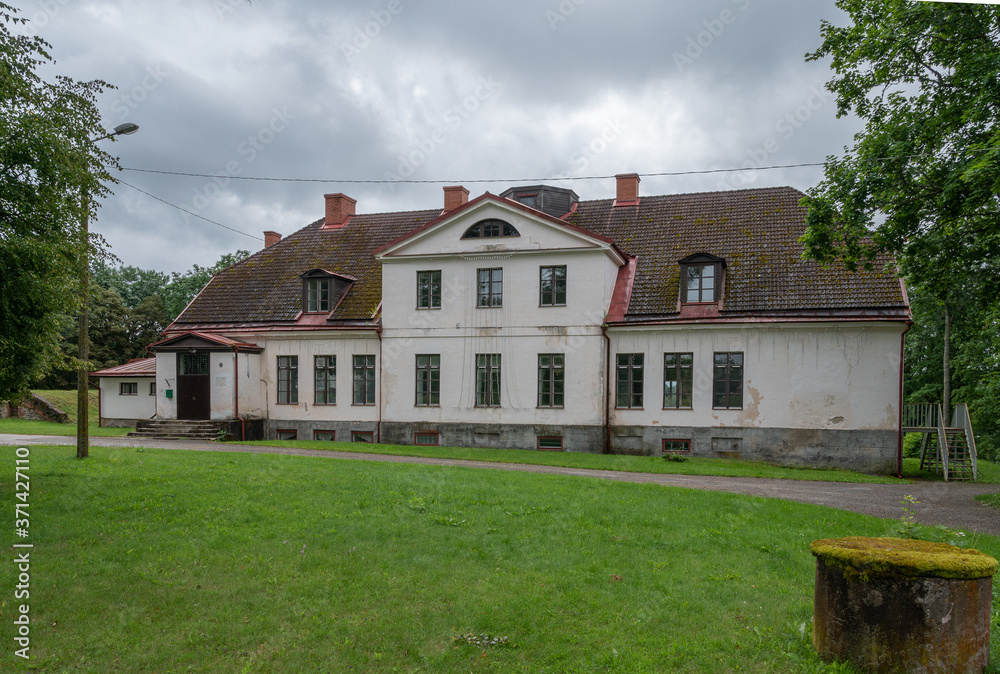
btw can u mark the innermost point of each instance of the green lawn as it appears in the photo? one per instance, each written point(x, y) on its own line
point(66, 401)
point(161, 561)
point(633, 464)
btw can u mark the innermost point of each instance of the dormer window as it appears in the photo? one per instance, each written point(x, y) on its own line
point(317, 295)
point(491, 227)
point(701, 278)
point(322, 290)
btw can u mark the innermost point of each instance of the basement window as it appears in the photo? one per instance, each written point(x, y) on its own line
point(676, 446)
point(428, 438)
point(362, 436)
point(327, 436)
point(286, 434)
point(550, 443)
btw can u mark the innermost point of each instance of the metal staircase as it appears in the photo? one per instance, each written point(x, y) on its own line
point(948, 450)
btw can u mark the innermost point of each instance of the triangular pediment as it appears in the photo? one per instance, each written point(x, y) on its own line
point(490, 225)
point(202, 341)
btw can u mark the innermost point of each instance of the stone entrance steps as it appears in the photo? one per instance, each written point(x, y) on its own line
point(179, 429)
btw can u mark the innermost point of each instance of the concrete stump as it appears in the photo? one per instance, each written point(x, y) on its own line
point(895, 605)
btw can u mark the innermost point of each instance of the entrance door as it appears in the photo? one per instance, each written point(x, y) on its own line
point(193, 391)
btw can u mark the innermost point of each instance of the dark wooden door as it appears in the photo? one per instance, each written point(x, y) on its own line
point(194, 399)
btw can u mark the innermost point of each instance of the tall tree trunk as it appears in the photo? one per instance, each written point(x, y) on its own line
point(946, 376)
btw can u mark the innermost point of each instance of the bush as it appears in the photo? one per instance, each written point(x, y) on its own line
point(911, 445)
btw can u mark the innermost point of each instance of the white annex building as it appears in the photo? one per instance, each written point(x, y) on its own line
point(639, 325)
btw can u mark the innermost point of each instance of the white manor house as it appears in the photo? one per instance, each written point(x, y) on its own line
point(638, 325)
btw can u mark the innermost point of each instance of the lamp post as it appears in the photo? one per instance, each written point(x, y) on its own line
point(82, 402)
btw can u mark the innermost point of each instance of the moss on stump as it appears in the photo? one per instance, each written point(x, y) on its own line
point(883, 557)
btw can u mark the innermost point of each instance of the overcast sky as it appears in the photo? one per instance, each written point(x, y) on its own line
point(432, 90)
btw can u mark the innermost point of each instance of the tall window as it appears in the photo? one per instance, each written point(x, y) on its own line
point(429, 289)
point(326, 380)
point(727, 384)
point(490, 287)
point(428, 380)
point(552, 286)
point(628, 379)
point(488, 380)
point(288, 380)
point(364, 380)
point(317, 295)
point(551, 379)
point(677, 380)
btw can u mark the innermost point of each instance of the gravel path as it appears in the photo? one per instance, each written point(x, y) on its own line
point(950, 504)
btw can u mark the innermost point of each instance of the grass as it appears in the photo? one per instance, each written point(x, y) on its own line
point(66, 401)
point(633, 464)
point(153, 560)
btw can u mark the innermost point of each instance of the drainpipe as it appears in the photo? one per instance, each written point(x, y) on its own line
point(607, 387)
point(899, 438)
point(378, 426)
point(100, 397)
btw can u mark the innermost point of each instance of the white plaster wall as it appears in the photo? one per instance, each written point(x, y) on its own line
point(166, 378)
point(115, 406)
point(590, 279)
point(306, 346)
point(222, 391)
point(248, 370)
point(519, 348)
point(818, 376)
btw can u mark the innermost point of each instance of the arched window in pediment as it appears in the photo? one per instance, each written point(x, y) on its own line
point(491, 227)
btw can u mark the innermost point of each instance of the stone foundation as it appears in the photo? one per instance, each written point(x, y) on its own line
point(864, 451)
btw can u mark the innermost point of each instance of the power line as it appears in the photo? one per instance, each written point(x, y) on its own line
point(658, 174)
point(179, 208)
point(470, 181)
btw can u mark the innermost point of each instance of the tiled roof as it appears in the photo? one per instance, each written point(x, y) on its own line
point(137, 367)
point(266, 287)
point(756, 232)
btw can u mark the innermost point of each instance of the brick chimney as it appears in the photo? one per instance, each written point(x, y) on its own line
point(628, 189)
point(339, 207)
point(271, 238)
point(454, 197)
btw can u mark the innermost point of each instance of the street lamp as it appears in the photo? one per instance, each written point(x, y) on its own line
point(82, 402)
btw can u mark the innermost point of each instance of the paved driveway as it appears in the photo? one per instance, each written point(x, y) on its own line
point(950, 504)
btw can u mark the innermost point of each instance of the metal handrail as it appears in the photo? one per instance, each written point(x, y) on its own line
point(962, 419)
point(942, 444)
point(921, 415)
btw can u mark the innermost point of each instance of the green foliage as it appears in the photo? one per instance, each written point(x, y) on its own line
point(53, 174)
point(132, 284)
point(921, 178)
